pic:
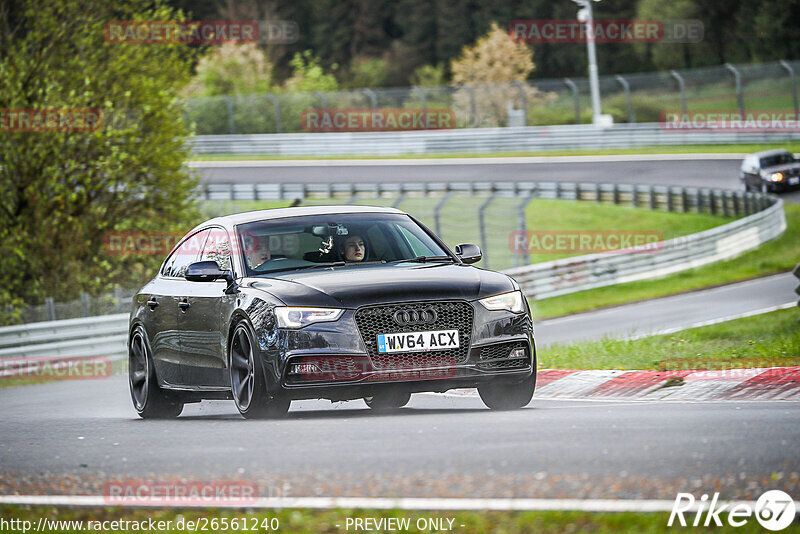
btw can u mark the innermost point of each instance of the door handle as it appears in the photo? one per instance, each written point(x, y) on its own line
point(153, 303)
point(184, 305)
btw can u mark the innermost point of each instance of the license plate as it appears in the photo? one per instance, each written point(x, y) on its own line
point(794, 180)
point(418, 341)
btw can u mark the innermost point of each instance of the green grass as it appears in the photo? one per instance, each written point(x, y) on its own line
point(315, 521)
point(793, 146)
point(779, 255)
point(767, 340)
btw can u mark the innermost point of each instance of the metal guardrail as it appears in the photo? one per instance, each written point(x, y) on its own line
point(474, 140)
point(764, 220)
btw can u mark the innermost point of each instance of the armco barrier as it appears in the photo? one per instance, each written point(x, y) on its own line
point(475, 140)
point(764, 220)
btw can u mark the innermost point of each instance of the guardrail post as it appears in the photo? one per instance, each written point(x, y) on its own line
point(652, 195)
point(736, 208)
point(725, 209)
point(684, 200)
point(682, 87)
point(231, 120)
point(482, 224)
point(575, 99)
point(522, 227)
point(627, 88)
point(797, 275)
point(616, 194)
point(670, 202)
point(785, 64)
point(712, 201)
point(276, 104)
point(437, 212)
point(598, 192)
point(523, 100)
point(422, 97)
point(87, 309)
point(635, 196)
point(699, 201)
point(50, 307)
point(373, 98)
point(746, 200)
point(737, 78)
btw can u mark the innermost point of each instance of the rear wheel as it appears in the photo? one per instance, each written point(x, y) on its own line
point(248, 387)
point(501, 395)
point(388, 400)
point(149, 400)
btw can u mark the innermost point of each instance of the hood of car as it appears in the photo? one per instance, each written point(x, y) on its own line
point(791, 169)
point(355, 285)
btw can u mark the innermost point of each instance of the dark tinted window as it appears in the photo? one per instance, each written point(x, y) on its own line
point(186, 254)
point(778, 159)
point(217, 248)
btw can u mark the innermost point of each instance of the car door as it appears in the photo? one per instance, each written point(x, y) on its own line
point(203, 344)
point(162, 300)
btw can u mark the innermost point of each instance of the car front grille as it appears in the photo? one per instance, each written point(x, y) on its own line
point(504, 364)
point(374, 320)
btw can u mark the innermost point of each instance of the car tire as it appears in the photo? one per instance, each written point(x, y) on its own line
point(248, 386)
point(500, 395)
point(388, 400)
point(149, 400)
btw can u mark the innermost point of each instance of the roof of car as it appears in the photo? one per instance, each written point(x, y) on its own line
point(279, 213)
point(773, 152)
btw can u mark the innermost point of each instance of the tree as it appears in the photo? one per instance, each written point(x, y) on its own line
point(232, 69)
point(62, 192)
point(490, 66)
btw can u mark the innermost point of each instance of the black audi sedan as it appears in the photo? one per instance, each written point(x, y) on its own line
point(334, 302)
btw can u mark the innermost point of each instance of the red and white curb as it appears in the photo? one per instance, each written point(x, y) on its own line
point(772, 383)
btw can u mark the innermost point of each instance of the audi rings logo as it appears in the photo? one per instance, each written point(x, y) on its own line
point(415, 316)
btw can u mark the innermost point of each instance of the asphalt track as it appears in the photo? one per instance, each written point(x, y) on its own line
point(73, 436)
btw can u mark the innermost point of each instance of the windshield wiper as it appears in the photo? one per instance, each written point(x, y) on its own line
point(304, 267)
point(423, 259)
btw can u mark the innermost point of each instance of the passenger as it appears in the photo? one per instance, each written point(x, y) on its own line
point(257, 251)
point(353, 249)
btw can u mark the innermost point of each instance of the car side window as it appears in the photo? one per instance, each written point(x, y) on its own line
point(186, 254)
point(417, 247)
point(218, 248)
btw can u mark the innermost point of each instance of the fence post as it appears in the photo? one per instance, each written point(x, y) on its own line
point(522, 226)
point(473, 114)
point(51, 308)
point(87, 311)
point(635, 196)
point(400, 198)
point(231, 121)
point(682, 87)
point(523, 100)
point(652, 197)
point(322, 99)
point(437, 212)
point(627, 88)
point(421, 92)
point(785, 64)
point(598, 192)
point(670, 205)
point(482, 224)
point(373, 99)
point(575, 98)
point(277, 105)
point(684, 200)
point(737, 77)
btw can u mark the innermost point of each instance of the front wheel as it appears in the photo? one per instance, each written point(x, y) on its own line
point(149, 400)
point(388, 400)
point(500, 395)
point(248, 387)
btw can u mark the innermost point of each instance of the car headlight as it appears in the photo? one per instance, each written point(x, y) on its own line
point(291, 317)
point(507, 301)
point(776, 177)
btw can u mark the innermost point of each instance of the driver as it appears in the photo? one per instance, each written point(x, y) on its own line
point(353, 248)
point(257, 252)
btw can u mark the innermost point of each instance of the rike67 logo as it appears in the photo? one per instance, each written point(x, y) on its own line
point(774, 510)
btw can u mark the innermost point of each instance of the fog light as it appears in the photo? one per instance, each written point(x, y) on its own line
point(303, 369)
point(517, 353)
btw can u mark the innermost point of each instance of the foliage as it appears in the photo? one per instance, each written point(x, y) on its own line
point(62, 192)
point(488, 67)
point(367, 72)
point(308, 75)
point(232, 69)
point(429, 76)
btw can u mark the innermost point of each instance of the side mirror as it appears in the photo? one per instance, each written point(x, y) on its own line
point(469, 253)
point(206, 271)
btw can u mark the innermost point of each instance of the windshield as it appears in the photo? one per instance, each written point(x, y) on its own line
point(777, 159)
point(342, 239)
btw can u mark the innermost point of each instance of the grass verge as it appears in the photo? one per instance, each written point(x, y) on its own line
point(767, 340)
point(793, 146)
point(777, 256)
point(314, 521)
